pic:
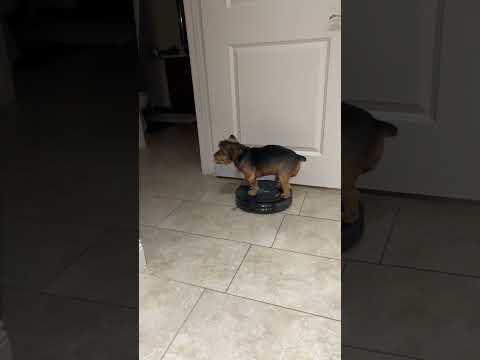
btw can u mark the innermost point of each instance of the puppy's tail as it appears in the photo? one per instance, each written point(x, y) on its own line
point(301, 157)
point(386, 129)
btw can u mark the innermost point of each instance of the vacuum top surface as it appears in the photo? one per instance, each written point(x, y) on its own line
point(267, 201)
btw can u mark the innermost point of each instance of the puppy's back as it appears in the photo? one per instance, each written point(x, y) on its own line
point(272, 155)
point(360, 128)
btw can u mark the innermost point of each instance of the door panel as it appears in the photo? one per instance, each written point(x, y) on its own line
point(395, 70)
point(297, 122)
point(421, 73)
point(273, 71)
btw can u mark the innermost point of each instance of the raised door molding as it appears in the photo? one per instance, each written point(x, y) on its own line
point(404, 58)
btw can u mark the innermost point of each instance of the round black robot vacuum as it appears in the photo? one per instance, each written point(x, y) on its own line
point(267, 201)
point(352, 233)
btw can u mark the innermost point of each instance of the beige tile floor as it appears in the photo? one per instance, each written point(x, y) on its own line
point(410, 288)
point(233, 290)
point(224, 284)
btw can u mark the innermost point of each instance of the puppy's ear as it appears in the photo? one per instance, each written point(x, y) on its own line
point(230, 149)
point(233, 138)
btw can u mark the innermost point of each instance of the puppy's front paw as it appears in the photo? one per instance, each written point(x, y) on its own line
point(252, 192)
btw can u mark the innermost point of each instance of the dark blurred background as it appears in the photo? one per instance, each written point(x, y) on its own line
point(69, 165)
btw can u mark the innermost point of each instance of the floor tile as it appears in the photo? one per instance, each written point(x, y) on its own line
point(225, 327)
point(104, 272)
point(422, 314)
point(153, 210)
point(221, 193)
point(164, 306)
point(50, 205)
point(46, 327)
point(310, 236)
point(193, 259)
point(324, 204)
point(292, 280)
point(379, 215)
point(44, 249)
point(436, 235)
point(179, 185)
point(356, 354)
point(225, 222)
point(299, 194)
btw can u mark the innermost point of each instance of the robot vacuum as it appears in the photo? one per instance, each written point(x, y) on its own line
point(352, 233)
point(267, 201)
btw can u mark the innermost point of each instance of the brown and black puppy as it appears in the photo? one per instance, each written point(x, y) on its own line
point(362, 148)
point(262, 161)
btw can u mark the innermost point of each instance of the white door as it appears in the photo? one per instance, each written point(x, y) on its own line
point(273, 72)
point(421, 73)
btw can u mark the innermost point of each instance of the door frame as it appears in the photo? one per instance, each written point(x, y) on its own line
point(193, 19)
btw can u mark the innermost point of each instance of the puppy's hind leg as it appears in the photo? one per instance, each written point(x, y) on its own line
point(277, 180)
point(350, 205)
point(350, 194)
point(284, 179)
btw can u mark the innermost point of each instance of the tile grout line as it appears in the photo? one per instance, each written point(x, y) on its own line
point(302, 253)
point(186, 283)
point(182, 325)
point(238, 269)
point(91, 246)
point(197, 234)
point(389, 236)
point(316, 218)
point(382, 352)
point(34, 219)
point(303, 202)
point(251, 299)
point(406, 267)
point(80, 299)
point(280, 306)
point(65, 269)
point(241, 242)
point(175, 208)
point(278, 230)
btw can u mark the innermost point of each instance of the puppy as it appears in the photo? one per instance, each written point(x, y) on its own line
point(362, 148)
point(257, 162)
